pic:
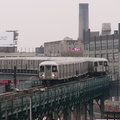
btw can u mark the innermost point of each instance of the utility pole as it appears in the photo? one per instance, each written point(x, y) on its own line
point(15, 76)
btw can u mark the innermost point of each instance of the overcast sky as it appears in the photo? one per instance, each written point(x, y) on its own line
point(39, 21)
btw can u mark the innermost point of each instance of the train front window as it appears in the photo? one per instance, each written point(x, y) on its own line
point(105, 63)
point(95, 64)
point(100, 63)
point(54, 68)
point(41, 68)
point(48, 67)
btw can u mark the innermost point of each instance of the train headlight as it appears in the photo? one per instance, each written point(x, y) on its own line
point(53, 75)
point(42, 75)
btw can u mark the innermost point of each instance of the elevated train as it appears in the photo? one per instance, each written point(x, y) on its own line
point(53, 72)
point(27, 65)
point(67, 68)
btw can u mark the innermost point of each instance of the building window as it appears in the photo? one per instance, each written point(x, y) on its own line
point(98, 55)
point(110, 44)
point(116, 44)
point(86, 47)
point(92, 55)
point(116, 69)
point(116, 57)
point(92, 46)
point(110, 57)
point(110, 69)
point(98, 45)
point(104, 43)
point(104, 55)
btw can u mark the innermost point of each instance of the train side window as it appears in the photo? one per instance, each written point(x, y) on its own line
point(54, 68)
point(105, 63)
point(100, 63)
point(41, 68)
point(95, 64)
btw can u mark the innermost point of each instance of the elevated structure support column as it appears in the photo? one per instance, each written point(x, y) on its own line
point(73, 112)
point(67, 112)
point(91, 109)
point(12, 110)
point(78, 111)
point(102, 106)
point(30, 97)
point(83, 111)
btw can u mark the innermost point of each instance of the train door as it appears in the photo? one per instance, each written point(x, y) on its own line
point(9, 64)
point(73, 68)
point(100, 66)
point(70, 70)
point(95, 66)
point(48, 71)
point(59, 72)
point(19, 65)
point(23, 64)
point(55, 72)
point(14, 63)
point(106, 69)
point(67, 70)
point(41, 72)
point(35, 65)
point(62, 72)
point(81, 66)
point(85, 67)
point(1, 65)
point(77, 65)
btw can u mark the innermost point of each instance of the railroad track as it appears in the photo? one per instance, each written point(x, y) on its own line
point(22, 92)
point(33, 90)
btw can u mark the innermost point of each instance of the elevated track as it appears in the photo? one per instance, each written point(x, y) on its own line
point(52, 100)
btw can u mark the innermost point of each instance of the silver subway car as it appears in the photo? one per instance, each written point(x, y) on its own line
point(54, 72)
point(98, 66)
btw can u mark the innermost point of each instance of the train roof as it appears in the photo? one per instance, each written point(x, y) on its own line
point(36, 58)
point(54, 58)
point(97, 59)
point(62, 62)
point(93, 59)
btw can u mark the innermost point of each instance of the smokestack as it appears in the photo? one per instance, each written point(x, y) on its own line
point(83, 19)
point(118, 28)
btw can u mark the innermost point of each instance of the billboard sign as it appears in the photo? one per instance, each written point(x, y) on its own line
point(74, 49)
point(6, 39)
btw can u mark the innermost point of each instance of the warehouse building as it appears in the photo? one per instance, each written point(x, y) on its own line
point(106, 46)
point(65, 47)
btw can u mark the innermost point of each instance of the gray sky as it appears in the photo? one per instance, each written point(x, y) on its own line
point(39, 21)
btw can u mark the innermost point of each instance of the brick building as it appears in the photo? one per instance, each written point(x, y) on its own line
point(66, 47)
